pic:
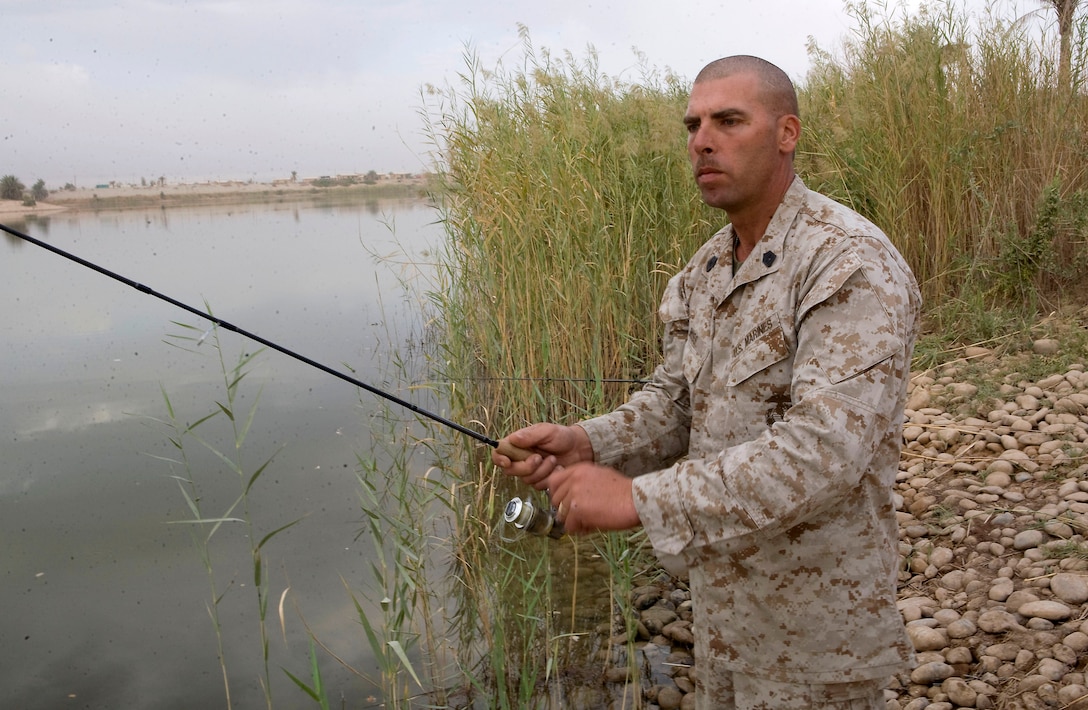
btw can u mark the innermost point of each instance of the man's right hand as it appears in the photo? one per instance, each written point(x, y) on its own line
point(549, 446)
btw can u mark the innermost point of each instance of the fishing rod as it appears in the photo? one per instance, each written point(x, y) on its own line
point(507, 449)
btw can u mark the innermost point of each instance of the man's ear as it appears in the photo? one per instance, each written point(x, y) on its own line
point(789, 132)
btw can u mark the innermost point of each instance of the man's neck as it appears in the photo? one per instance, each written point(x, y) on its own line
point(750, 225)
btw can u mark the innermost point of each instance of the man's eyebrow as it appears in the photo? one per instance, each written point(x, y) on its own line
point(720, 114)
point(727, 113)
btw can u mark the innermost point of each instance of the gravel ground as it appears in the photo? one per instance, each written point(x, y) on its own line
point(992, 497)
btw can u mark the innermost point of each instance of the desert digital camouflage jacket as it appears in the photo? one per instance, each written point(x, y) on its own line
point(767, 444)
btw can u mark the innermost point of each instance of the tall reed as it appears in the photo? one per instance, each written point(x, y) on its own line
point(192, 484)
point(566, 196)
point(954, 134)
point(567, 200)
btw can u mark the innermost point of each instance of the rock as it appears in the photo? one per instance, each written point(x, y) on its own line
point(1003, 651)
point(913, 608)
point(645, 597)
point(965, 390)
point(954, 580)
point(657, 618)
point(1052, 669)
point(1027, 539)
point(616, 674)
point(927, 639)
point(997, 621)
point(940, 557)
point(920, 398)
point(1018, 599)
point(958, 655)
point(1073, 697)
point(1001, 589)
point(961, 629)
point(1070, 406)
point(1046, 347)
point(1049, 610)
point(1078, 641)
point(669, 698)
point(961, 694)
point(680, 632)
point(1070, 588)
point(930, 673)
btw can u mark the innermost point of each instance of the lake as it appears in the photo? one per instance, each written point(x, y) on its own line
point(105, 602)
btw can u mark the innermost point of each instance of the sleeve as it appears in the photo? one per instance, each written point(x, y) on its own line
point(651, 429)
point(849, 369)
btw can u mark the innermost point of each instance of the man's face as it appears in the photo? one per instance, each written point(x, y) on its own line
point(733, 141)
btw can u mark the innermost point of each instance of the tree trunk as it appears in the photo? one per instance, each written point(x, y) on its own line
point(1065, 9)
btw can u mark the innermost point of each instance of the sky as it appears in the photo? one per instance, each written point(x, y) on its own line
point(189, 90)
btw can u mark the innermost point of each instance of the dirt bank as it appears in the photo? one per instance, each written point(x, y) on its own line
point(16, 208)
point(228, 192)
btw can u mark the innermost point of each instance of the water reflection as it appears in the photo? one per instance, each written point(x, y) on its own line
point(105, 604)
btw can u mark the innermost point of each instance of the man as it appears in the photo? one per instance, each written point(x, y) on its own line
point(762, 455)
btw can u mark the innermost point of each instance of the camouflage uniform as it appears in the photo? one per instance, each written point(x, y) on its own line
point(777, 411)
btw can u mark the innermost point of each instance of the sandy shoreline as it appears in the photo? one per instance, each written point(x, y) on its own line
point(123, 196)
point(15, 208)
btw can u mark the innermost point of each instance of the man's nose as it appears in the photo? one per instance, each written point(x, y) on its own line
point(699, 141)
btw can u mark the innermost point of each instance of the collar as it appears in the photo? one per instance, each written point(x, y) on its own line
point(767, 256)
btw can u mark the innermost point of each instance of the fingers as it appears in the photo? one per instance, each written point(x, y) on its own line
point(590, 497)
point(561, 512)
point(561, 494)
point(533, 471)
point(511, 451)
point(540, 477)
point(532, 453)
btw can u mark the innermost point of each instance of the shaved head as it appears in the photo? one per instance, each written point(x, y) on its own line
point(778, 90)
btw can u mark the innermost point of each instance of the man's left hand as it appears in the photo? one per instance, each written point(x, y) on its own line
point(591, 497)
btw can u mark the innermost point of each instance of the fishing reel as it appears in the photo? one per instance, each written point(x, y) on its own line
point(528, 518)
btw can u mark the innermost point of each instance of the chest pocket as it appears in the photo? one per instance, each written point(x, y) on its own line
point(760, 348)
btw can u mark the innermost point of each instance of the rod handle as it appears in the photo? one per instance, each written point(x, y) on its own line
point(514, 453)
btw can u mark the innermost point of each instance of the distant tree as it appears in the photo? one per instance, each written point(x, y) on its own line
point(38, 191)
point(370, 178)
point(1066, 11)
point(294, 175)
point(11, 188)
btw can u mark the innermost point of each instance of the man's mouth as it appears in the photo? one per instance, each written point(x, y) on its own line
point(706, 171)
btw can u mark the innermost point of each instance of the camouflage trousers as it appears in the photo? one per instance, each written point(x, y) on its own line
point(733, 691)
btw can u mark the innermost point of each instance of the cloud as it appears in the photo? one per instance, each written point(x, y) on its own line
point(123, 89)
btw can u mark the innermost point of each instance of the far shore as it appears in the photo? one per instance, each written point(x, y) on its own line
point(226, 192)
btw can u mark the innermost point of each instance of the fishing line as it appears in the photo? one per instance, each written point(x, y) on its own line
point(506, 448)
point(581, 380)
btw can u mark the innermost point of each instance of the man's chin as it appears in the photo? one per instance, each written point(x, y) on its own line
point(715, 198)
